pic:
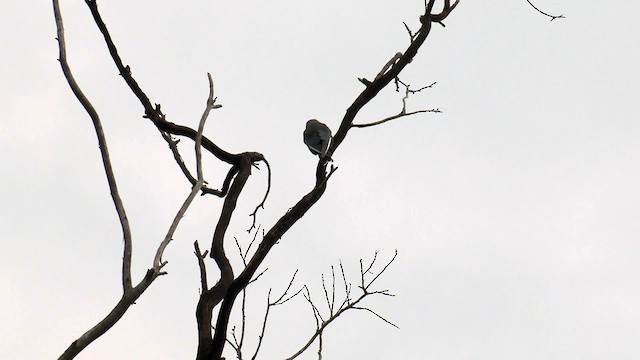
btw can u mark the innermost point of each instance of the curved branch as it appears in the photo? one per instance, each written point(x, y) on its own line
point(208, 345)
point(266, 194)
point(104, 150)
point(553, 17)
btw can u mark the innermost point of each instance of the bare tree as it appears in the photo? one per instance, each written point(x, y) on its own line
point(221, 294)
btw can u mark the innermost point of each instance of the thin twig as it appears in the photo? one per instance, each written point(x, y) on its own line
point(264, 326)
point(383, 269)
point(281, 300)
point(261, 205)
point(553, 17)
point(403, 112)
point(376, 314)
point(411, 36)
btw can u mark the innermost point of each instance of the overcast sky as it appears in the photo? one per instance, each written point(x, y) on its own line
point(515, 211)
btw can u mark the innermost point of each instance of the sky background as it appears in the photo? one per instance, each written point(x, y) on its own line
point(514, 211)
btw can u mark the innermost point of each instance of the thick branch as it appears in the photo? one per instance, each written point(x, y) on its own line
point(153, 113)
point(212, 347)
point(111, 319)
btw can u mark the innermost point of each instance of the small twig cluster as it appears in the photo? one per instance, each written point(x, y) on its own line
point(336, 308)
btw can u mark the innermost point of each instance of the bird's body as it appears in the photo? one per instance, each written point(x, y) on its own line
point(317, 137)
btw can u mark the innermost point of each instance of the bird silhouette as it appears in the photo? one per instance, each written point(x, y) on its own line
point(317, 137)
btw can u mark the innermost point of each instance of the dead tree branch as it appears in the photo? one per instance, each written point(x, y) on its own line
point(211, 104)
point(183, 167)
point(104, 149)
point(553, 17)
point(323, 321)
point(266, 194)
point(130, 293)
point(372, 88)
point(284, 297)
point(228, 286)
point(201, 265)
point(154, 113)
point(403, 112)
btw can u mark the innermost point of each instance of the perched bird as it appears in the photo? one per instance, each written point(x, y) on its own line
point(317, 137)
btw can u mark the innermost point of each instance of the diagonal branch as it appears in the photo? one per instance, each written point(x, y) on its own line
point(157, 261)
point(215, 347)
point(183, 167)
point(152, 113)
point(383, 79)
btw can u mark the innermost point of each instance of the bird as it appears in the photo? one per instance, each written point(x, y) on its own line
point(317, 137)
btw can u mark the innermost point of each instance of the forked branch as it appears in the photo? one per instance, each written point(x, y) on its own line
point(152, 112)
point(130, 293)
point(391, 69)
point(403, 112)
point(211, 104)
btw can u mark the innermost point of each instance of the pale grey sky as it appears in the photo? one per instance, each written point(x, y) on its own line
point(514, 212)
